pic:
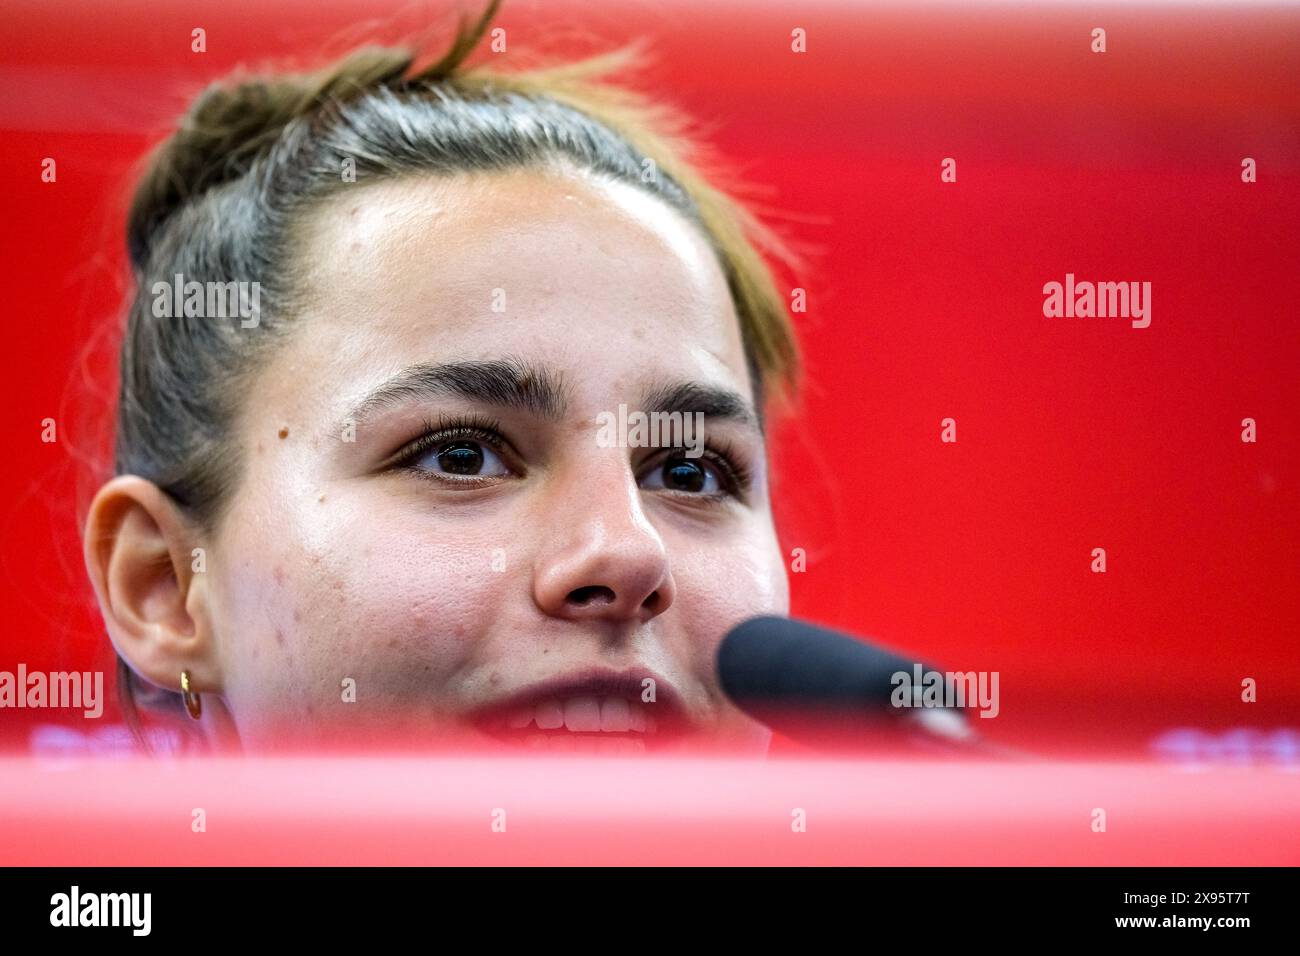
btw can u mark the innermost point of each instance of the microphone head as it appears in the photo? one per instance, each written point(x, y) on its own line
point(812, 683)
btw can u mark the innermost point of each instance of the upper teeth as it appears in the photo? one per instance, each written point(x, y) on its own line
point(584, 714)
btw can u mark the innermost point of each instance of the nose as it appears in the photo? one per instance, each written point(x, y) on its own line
point(603, 559)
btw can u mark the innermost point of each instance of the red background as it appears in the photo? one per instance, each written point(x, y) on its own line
point(924, 302)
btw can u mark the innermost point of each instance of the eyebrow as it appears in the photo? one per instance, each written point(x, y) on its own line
point(516, 383)
point(508, 383)
point(714, 402)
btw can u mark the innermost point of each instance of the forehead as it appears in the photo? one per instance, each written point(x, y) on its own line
point(601, 280)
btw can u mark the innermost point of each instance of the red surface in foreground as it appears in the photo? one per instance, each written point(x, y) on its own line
point(563, 811)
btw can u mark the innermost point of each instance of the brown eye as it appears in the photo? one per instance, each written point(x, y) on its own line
point(687, 475)
point(463, 458)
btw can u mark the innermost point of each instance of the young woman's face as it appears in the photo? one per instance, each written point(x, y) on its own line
point(432, 539)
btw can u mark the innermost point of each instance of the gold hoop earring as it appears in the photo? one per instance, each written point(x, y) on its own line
point(192, 702)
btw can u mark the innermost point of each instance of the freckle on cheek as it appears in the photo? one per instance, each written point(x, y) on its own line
point(284, 432)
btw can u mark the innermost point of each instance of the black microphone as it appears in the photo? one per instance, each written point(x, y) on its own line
point(821, 687)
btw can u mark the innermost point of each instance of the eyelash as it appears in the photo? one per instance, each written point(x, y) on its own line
point(469, 428)
point(736, 476)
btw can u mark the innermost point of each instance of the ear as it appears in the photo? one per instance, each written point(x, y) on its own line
point(139, 550)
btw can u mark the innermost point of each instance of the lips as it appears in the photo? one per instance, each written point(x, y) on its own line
point(595, 711)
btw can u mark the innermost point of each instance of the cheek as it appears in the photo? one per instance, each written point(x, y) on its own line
point(717, 588)
point(337, 590)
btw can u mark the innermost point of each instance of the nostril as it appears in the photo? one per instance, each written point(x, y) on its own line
point(593, 594)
